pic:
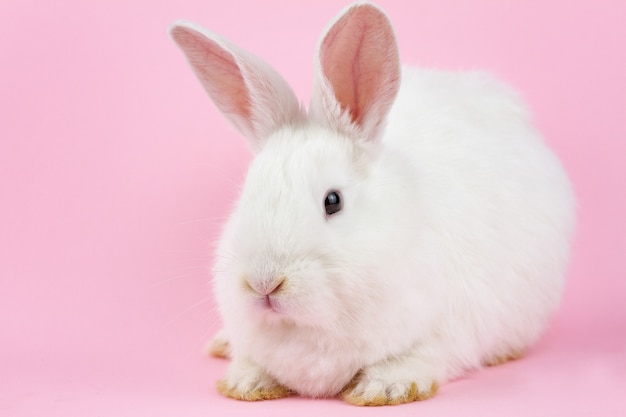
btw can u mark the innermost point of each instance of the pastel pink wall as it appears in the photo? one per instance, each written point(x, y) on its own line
point(116, 170)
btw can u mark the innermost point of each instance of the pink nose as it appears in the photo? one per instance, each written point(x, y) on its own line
point(266, 287)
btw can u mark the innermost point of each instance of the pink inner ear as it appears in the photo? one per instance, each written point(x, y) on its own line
point(359, 59)
point(218, 72)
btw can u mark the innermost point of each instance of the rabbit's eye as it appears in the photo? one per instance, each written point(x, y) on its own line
point(332, 202)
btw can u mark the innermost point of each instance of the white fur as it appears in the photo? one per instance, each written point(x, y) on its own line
point(450, 250)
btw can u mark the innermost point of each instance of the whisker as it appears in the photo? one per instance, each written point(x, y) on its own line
point(187, 310)
point(174, 278)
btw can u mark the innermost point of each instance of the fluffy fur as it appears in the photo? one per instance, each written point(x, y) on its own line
point(449, 253)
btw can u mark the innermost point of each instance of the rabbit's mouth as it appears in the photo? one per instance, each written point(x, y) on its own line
point(269, 308)
point(270, 303)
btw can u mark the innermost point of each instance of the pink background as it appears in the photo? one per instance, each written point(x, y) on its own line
point(116, 170)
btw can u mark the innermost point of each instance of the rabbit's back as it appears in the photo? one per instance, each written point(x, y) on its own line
point(471, 140)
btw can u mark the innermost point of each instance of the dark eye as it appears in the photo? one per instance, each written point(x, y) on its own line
point(333, 203)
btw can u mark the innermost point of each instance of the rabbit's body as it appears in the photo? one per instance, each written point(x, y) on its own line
point(448, 251)
point(484, 172)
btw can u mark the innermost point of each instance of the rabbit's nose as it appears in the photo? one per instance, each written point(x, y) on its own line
point(266, 286)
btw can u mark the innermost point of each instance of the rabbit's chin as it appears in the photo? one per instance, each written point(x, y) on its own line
point(312, 361)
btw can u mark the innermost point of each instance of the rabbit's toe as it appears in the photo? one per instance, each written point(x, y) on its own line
point(366, 391)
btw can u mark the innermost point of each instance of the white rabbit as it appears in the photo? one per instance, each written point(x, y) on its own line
point(393, 237)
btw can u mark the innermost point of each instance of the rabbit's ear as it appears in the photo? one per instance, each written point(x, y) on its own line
point(251, 94)
point(357, 75)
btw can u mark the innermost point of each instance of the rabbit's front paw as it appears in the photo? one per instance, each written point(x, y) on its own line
point(246, 381)
point(391, 382)
point(375, 392)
